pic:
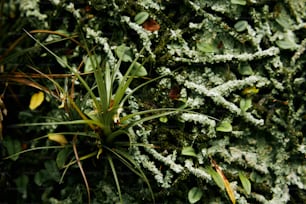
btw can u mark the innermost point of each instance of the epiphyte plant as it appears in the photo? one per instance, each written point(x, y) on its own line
point(103, 115)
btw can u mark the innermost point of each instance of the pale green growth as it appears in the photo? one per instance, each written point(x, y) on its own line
point(143, 34)
point(30, 9)
point(195, 102)
point(198, 172)
point(208, 123)
point(103, 42)
point(220, 100)
point(75, 12)
point(273, 51)
point(147, 4)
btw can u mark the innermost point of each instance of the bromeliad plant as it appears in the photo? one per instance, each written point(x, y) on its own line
point(108, 95)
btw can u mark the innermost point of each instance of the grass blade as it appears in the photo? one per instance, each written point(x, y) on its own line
point(111, 163)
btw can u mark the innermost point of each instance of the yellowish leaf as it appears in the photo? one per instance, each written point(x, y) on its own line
point(228, 188)
point(250, 91)
point(59, 138)
point(36, 100)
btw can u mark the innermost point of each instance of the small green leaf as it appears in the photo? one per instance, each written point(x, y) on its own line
point(245, 104)
point(141, 17)
point(62, 157)
point(245, 69)
point(91, 63)
point(41, 177)
point(163, 119)
point(241, 26)
point(246, 184)
point(138, 70)
point(52, 169)
point(284, 20)
point(224, 126)
point(207, 47)
point(189, 151)
point(216, 177)
point(194, 195)
point(287, 43)
point(13, 146)
point(22, 183)
point(125, 53)
point(239, 2)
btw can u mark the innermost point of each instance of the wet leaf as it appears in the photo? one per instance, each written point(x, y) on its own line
point(141, 17)
point(246, 184)
point(59, 138)
point(194, 195)
point(189, 151)
point(36, 100)
point(224, 126)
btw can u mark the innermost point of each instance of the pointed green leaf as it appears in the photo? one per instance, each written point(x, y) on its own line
point(22, 183)
point(13, 146)
point(245, 69)
point(138, 70)
point(284, 20)
point(41, 177)
point(141, 17)
point(52, 169)
point(62, 157)
point(224, 126)
point(91, 63)
point(246, 184)
point(245, 104)
point(216, 177)
point(207, 47)
point(125, 53)
point(189, 151)
point(194, 195)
